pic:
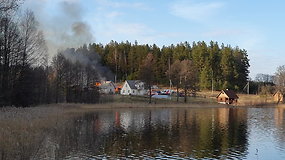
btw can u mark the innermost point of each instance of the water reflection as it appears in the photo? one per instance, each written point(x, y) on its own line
point(280, 128)
point(149, 133)
point(279, 117)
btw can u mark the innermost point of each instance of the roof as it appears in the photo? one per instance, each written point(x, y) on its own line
point(105, 85)
point(277, 92)
point(132, 83)
point(229, 93)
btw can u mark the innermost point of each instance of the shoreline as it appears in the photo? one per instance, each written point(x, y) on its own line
point(126, 105)
point(69, 107)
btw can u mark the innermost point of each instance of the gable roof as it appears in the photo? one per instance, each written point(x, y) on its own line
point(132, 83)
point(106, 85)
point(229, 93)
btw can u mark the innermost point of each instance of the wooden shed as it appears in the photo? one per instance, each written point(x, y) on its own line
point(227, 97)
point(278, 97)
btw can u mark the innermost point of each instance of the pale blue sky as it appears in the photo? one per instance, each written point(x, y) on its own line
point(256, 25)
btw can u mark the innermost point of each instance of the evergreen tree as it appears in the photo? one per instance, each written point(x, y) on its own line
point(227, 68)
point(206, 76)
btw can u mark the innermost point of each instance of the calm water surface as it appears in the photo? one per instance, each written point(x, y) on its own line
point(182, 133)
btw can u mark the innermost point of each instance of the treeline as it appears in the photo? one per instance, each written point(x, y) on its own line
point(22, 49)
point(266, 84)
point(263, 84)
point(26, 77)
point(220, 65)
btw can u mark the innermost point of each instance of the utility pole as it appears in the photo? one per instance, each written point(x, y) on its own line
point(116, 65)
point(246, 86)
point(212, 82)
point(185, 90)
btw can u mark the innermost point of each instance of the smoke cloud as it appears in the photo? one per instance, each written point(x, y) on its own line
point(85, 57)
point(63, 25)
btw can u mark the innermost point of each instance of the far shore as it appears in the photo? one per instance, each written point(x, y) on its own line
point(202, 100)
point(173, 105)
point(80, 107)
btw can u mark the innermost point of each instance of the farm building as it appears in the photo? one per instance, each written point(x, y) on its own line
point(227, 97)
point(107, 87)
point(278, 97)
point(133, 87)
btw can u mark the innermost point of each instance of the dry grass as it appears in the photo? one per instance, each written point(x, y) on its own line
point(203, 97)
point(254, 100)
point(244, 99)
point(24, 130)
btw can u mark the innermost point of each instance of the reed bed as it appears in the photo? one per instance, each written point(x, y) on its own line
point(23, 131)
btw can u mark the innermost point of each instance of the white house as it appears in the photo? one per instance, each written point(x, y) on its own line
point(107, 87)
point(133, 87)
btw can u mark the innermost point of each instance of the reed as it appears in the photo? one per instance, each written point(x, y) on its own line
point(23, 131)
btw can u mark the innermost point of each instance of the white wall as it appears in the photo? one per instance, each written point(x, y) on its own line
point(107, 89)
point(126, 90)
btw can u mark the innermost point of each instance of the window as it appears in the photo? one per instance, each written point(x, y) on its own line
point(133, 91)
point(123, 91)
point(128, 91)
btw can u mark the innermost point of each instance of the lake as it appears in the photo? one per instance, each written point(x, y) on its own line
point(169, 133)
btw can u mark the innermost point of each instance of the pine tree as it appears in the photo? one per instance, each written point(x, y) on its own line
point(206, 76)
point(227, 67)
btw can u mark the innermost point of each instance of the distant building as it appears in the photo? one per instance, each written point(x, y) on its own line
point(107, 87)
point(227, 97)
point(118, 89)
point(133, 87)
point(278, 97)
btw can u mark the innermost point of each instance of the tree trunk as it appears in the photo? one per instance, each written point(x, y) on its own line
point(185, 91)
point(149, 94)
point(185, 94)
point(177, 98)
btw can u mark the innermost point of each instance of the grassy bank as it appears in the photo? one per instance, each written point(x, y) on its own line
point(245, 100)
point(144, 99)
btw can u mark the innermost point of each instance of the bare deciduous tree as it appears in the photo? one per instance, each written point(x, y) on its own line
point(147, 72)
point(33, 43)
point(280, 78)
point(174, 74)
point(189, 75)
point(8, 5)
point(183, 73)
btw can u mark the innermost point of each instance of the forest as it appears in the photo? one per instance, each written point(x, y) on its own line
point(225, 66)
point(28, 76)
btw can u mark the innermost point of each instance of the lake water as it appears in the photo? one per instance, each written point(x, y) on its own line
point(171, 133)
